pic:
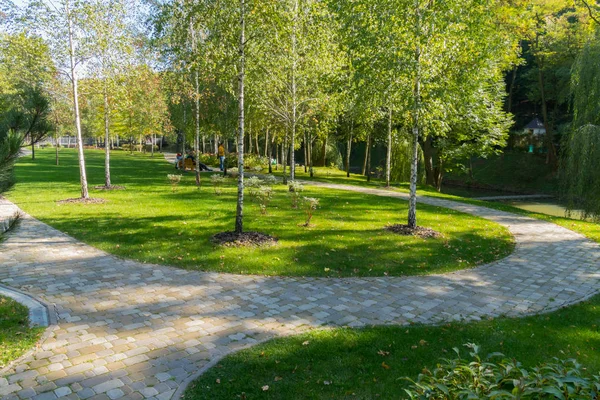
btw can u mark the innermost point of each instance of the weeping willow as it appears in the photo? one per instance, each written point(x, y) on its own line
point(581, 172)
point(580, 167)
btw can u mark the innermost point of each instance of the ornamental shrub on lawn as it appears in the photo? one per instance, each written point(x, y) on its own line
point(506, 379)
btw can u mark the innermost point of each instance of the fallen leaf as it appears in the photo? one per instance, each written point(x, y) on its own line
point(278, 378)
point(218, 381)
point(384, 365)
point(305, 343)
point(265, 388)
point(326, 383)
point(383, 353)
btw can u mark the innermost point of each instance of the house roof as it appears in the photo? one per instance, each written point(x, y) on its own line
point(535, 124)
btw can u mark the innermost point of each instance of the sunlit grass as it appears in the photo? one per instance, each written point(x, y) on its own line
point(355, 364)
point(16, 337)
point(151, 223)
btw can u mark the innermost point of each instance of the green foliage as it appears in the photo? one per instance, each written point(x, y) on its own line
point(264, 194)
point(507, 379)
point(309, 204)
point(295, 189)
point(580, 176)
point(585, 85)
point(10, 146)
point(217, 180)
point(253, 185)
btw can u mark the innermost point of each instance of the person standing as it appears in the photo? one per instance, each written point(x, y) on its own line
point(221, 154)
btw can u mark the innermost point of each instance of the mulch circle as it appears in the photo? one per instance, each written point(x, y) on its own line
point(419, 231)
point(111, 187)
point(81, 200)
point(245, 239)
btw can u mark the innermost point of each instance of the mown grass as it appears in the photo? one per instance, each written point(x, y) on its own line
point(16, 337)
point(151, 223)
point(355, 364)
point(334, 175)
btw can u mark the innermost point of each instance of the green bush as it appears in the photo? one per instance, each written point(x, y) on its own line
point(507, 379)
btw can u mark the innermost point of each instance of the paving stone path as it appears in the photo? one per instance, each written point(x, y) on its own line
point(132, 330)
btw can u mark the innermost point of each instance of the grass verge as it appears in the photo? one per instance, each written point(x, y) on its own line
point(16, 337)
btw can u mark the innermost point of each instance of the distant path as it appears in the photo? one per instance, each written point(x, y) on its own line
point(516, 197)
point(132, 330)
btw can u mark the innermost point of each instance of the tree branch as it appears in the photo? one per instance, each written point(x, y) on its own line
point(590, 12)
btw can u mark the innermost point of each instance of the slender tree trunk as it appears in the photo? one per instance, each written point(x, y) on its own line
point(32, 148)
point(310, 156)
point(56, 155)
point(257, 144)
point(283, 157)
point(412, 203)
point(216, 144)
point(367, 150)
point(550, 155)
point(511, 89)
point(153, 143)
point(82, 173)
point(107, 182)
point(349, 149)
point(267, 151)
point(197, 104)
point(277, 157)
point(368, 171)
point(294, 92)
point(388, 160)
point(250, 147)
point(428, 157)
point(324, 160)
point(239, 217)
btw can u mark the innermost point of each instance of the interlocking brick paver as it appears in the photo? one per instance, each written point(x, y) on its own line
point(129, 330)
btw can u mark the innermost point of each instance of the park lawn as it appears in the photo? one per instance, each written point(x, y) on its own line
point(16, 337)
point(333, 175)
point(151, 223)
point(354, 363)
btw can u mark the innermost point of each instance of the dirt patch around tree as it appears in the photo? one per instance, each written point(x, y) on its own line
point(111, 187)
point(246, 239)
point(81, 200)
point(425, 233)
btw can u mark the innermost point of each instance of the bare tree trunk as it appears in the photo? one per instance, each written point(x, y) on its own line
point(197, 104)
point(107, 182)
point(368, 171)
point(367, 150)
point(32, 148)
point(82, 173)
point(216, 144)
point(412, 203)
point(267, 151)
point(310, 156)
point(257, 144)
point(283, 157)
point(550, 155)
point(239, 217)
point(388, 160)
point(153, 142)
point(305, 150)
point(511, 89)
point(324, 160)
point(294, 92)
point(349, 149)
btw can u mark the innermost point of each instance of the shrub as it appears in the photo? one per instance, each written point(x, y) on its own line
point(252, 184)
point(174, 180)
point(309, 204)
point(269, 180)
point(264, 194)
point(233, 172)
point(209, 159)
point(295, 188)
point(217, 181)
point(507, 379)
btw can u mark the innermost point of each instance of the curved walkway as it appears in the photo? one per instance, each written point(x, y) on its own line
point(133, 330)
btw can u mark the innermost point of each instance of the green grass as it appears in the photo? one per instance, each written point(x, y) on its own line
point(150, 223)
point(16, 337)
point(334, 175)
point(349, 363)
